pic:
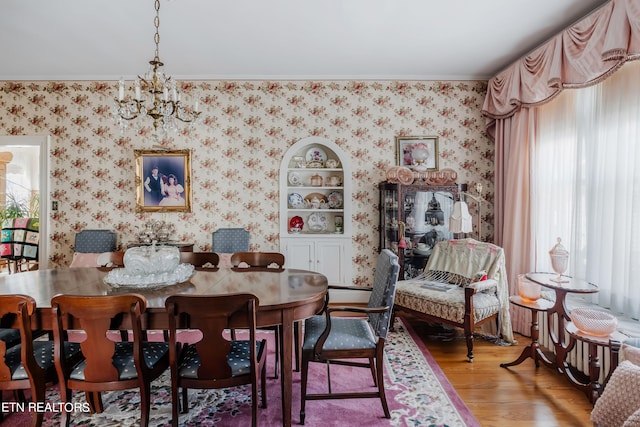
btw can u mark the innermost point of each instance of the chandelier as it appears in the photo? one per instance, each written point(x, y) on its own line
point(163, 104)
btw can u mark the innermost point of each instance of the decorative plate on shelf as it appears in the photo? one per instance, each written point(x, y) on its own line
point(295, 178)
point(316, 155)
point(296, 201)
point(335, 200)
point(318, 221)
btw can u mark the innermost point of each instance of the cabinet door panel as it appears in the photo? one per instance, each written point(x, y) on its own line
point(330, 259)
point(300, 254)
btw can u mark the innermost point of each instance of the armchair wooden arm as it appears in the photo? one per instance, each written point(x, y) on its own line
point(349, 288)
point(483, 285)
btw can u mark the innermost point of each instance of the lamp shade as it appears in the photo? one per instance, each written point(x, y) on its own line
point(460, 220)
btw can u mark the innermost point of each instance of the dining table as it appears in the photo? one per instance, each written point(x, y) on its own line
point(285, 296)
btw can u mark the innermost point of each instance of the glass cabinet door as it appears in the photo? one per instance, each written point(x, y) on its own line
point(426, 215)
point(390, 217)
point(413, 218)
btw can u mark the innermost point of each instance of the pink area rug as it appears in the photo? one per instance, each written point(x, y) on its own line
point(418, 394)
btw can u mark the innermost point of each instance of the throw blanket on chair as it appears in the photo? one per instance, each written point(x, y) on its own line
point(467, 257)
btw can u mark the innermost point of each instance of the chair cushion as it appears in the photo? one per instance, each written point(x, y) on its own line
point(123, 359)
point(84, 260)
point(239, 359)
point(346, 333)
point(620, 398)
point(445, 305)
point(43, 353)
point(100, 259)
point(10, 336)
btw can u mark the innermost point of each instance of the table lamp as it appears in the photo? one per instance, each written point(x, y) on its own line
point(461, 220)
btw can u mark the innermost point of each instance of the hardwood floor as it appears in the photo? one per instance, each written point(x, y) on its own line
point(523, 395)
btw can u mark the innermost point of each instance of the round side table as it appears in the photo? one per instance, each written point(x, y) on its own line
point(613, 342)
point(533, 350)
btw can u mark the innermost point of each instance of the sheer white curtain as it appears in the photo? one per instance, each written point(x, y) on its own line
point(586, 186)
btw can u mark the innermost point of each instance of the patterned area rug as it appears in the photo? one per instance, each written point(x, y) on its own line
point(418, 394)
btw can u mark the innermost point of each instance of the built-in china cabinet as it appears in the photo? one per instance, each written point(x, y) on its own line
point(315, 209)
point(413, 218)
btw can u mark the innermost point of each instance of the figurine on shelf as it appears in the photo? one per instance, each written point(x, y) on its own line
point(402, 243)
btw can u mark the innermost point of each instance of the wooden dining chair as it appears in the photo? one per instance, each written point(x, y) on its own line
point(261, 261)
point(107, 365)
point(215, 362)
point(26, 364)
point(336, 339)
point(200, 260)
point(111, 259)
point(257, 260)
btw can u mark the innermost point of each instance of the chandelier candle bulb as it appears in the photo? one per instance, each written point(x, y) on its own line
point(121, 90)
point(137, 89)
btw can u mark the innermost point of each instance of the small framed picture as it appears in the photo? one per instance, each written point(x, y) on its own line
point(417, 152)
point(163, 180)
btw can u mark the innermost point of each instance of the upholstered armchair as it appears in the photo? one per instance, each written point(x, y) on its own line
point(353, 341)
point(464, 284)
point(619, 403)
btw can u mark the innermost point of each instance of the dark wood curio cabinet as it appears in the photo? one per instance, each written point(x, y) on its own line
point(413, 218)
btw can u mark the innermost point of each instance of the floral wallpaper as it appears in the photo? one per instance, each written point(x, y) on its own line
point(244, 129)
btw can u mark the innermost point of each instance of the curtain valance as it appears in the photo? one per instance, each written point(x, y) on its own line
point(580, 55)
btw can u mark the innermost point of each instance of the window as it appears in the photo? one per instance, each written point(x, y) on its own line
point(586, 186)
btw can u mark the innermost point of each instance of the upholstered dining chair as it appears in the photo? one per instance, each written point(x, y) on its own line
point(26, 364)
point(215, 362)
point(338, 339)
point(230, 240)
point(261, 261)
point(107, 365)
point(475, 280)
point(200, 260)
point(95, 241)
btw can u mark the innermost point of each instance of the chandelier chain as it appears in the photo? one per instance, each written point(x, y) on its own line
point(156, 37)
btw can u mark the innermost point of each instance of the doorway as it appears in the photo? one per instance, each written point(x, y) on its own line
point(26, 182)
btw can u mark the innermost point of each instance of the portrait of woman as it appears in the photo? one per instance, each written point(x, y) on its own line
point(172, 192)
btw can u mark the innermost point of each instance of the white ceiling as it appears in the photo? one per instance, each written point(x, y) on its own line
point(276, 39)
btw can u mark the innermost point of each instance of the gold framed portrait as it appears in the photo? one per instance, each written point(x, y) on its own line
point(163, 180)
